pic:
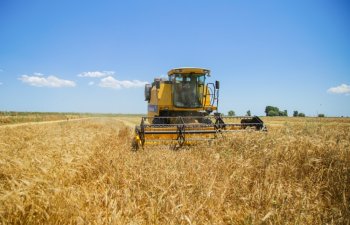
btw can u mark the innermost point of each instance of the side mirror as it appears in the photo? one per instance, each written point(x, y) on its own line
point(217, 84)
point(148, 92)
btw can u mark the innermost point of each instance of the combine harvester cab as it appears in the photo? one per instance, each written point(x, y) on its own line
point(179, 111)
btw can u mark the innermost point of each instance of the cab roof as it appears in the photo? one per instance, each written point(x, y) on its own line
point(187, 70)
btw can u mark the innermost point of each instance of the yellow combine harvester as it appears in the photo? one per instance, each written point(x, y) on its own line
point(179, 110)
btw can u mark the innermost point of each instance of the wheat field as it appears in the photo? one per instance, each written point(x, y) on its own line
point(84, 172)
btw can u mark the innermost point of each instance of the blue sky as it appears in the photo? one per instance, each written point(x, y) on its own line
point(95, 56)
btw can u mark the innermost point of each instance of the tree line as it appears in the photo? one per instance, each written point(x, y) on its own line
point(275, 111)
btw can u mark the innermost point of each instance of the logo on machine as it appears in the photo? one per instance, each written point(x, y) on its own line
point(152, 108)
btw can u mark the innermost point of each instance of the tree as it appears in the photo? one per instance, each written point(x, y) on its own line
point(231, 113)
point(271, 108)
point(301, 115)
point(284, 113)
point(272, 113)
point(275, 111)
point(295, 113)
point(321, 115)
point(249, 113)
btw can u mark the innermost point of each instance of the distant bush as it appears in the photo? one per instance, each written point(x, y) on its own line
point(272, 113)
point(231, 113)
point(275, 111)
point(298, 114)
point(301, 115)
point(321, 115)
point(284, 113)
